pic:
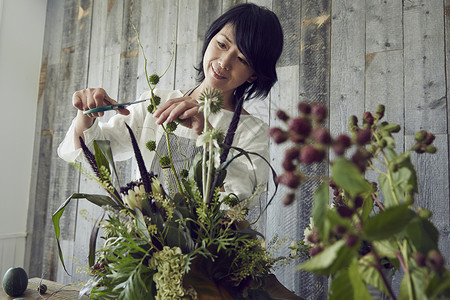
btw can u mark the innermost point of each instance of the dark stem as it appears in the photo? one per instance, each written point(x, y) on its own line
point(379, 269)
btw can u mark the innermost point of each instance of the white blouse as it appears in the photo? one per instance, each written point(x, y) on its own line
point(242, 175)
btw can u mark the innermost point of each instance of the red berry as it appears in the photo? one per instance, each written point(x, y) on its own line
point(300, 126)
point(344, 211)
point(368, 118)
point(290, 179)
point(420, 259)
point(436, 260)
point(319, 112)
point(351, 240)
point(281, 114)
point(338, 149)
point(315, 250)
point(359, 201)
point(309, 154)
point(340, 230)
point(291, 153)
point(288, 165)
point(363, 136)
point(321, 136)
point(344, 140)
point(289, 199)
point(304, 107)
point(429, 139)
point(278, 135)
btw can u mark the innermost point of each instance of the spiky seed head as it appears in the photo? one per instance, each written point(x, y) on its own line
point(154, 79)
point(164, 161)
point(151, 108)
point(151, 145)
point(171, 126)
point(156, 99)
point(215, 97)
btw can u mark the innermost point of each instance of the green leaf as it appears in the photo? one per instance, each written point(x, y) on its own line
point(422, 234)
point(105, 147)
point(330, 260)
point(99, 200)
point(386, 248)
point(369, 274)
point(400, 180)
point(348, 177)
point(320, 206)
point(93, 240)
point(348, 285)
point(388, 222)
point(341, 287)
point(359, 287)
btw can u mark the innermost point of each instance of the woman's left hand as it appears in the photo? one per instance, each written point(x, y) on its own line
point(183, 108)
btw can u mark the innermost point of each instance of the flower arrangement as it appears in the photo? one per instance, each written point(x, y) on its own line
point(368, 228)
point(190, 243)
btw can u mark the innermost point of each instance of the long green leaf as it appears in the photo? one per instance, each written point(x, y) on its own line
point(388, 222)
point(105, 147)
point(100, 200)
point(93, 240)
point(320, 206)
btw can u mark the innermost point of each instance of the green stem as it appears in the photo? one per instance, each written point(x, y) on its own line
point(404, 250)
point(172, 167)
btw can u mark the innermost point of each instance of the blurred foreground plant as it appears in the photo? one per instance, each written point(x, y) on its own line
point(369, 227)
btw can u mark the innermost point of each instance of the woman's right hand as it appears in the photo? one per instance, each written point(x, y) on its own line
point(91, 98)
point(88, 99)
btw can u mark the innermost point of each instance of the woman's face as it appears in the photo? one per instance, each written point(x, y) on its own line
point(225, 67)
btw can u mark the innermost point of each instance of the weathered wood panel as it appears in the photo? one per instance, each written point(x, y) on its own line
point(347, 63)
point(349, 55)
point(424, 54)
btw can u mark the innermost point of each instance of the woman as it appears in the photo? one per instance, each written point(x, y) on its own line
point(238, 58)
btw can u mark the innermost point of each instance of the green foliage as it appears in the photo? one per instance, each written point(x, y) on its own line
point(361, 238)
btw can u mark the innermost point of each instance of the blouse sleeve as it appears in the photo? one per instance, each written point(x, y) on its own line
point(114, 130)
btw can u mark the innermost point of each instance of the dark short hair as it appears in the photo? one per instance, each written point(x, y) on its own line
point(259, 36)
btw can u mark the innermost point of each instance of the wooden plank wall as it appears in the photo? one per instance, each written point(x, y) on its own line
point(350, 55)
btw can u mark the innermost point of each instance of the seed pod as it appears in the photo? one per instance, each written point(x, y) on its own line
point(156, 99)
point(351, 240)
point(353, 121)
point(304, 107)
point(171, 126)
point(278, 135)
point(42, 288)
point(421, 135)
point(319, 112)
point(300, 126)
point(321, 136)
point(281, 114)
point(431, 149)
point(424, 213)
point(380, 111)
point(368, 118)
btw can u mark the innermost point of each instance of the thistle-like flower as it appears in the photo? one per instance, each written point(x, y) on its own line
point(212, 97)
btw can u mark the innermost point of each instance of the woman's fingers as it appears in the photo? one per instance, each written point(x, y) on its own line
point(92, 98)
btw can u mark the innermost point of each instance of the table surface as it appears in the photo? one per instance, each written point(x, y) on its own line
point(55, 291)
